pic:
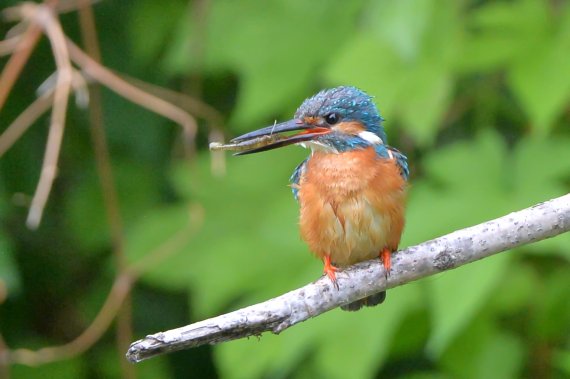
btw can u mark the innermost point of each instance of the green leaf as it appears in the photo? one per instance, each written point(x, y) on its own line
point(405, 61)
point(552, 307)
point(404, 24)
point(279, 355)
point(541, 77)
point(149, 33)
point(462, 177)
point(500, 32)
point(160, 230)
point(465, 175)
point(503, 357)
point(539, 169)
point(518, 287)
point(64, 369)
point(249, 235)
point(9, 274)
point(483, 351)
point(275, 48)
point(527, 19)
point(87, 217)
point(561, 360)
point(458, 295)
point(541, 82)
point(355, 345)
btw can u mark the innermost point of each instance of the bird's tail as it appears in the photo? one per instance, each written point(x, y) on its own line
point(369, 301)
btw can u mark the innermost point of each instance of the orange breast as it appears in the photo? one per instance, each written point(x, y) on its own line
point(352, 205)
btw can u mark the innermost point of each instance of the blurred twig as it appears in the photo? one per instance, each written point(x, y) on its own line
point(17, 60)
point(114, 82)
point(121, 288)
point(108, 187)
point(19, 126)
point(195, 106)
point(464, 246)
point(45, 17)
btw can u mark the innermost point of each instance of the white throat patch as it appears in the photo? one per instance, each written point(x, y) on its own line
point(370, 137)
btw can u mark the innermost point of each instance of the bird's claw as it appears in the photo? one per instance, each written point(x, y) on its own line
point(385, 257)
point(330, 271)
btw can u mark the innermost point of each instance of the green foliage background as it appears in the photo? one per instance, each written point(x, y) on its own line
point(476, 93)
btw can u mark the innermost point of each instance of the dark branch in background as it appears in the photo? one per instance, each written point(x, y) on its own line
point(124, 330)
point(533, 224)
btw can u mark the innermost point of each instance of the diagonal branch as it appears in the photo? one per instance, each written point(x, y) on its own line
point(464, 246)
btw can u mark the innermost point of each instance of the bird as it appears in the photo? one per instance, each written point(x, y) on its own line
point(352, 187)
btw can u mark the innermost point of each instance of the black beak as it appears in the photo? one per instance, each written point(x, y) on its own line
point(274, 139)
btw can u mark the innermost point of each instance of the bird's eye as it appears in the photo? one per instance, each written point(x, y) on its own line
point(332, 118)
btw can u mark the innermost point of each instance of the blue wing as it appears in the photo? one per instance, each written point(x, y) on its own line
point(296, 177)
point(401, 160)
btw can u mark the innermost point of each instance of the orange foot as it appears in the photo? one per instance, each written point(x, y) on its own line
point(330, 271)
point(385, 257)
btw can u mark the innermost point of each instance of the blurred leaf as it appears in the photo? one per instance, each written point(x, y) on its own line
point(9, 274)
point(518, 287)
point(562, 361)
point(552, 318)
point(275, 48)
point(534, 44)
point(458, 295)
point(254, 210)
point(410, 72)
point(249, 234)
point(501, 32)
point(465, 175)
point(541, 80)
point(539, 169)
point(148, 32)
point(462, 177)
point(65, 369)
point(503, 357)
point(357, 344)
point(539, 166)
point(425, 375)
point(106, 361)
point(483, 351)
point(153, 232)
point(273, 354)
point(404, 25)
point(87, 217)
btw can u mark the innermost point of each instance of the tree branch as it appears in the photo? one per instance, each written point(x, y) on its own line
point(533, 224)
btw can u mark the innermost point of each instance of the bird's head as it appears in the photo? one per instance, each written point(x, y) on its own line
point(335, 120)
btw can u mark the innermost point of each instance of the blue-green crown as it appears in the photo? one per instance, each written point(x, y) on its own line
point(350, 103)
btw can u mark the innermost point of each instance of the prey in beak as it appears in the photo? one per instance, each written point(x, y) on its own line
point(275, 136)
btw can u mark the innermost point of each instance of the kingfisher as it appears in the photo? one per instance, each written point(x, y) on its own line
point(351, 189)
